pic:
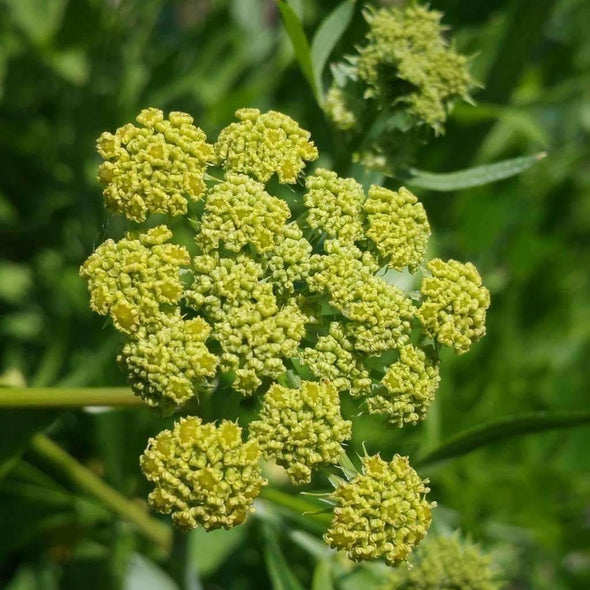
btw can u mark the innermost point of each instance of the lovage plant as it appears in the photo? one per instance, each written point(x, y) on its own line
point(286, 297)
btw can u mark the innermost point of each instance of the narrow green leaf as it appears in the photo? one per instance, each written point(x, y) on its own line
point(498, 430)
point(294, 29)
point(326, 37)
point(471, 177)
point(322, 576)
point(280, 574)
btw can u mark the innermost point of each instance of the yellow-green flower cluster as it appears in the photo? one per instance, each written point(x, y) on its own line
point(406, 50)
point(408, 388)
point(380, 314)
point(455, 304)
point(168, 361)
point(333, 358)
point(382, 513)
point(132, 279)
point(263, 144)
point(445, 563)
point(301, 428)
point(238, 212)
point(289, 262)
point(263, 295)
point(334, 205)
point(337, 108)
point(398, 226)
point(204, 475)
point(155, 168)
point(255, 333)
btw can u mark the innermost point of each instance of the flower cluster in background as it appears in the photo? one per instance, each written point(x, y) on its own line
point(403, 81)
point(294, 311)
point(446, 563)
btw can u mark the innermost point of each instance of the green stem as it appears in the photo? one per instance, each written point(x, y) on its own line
point(71, 397)
point(87, 481)
point(295, 504)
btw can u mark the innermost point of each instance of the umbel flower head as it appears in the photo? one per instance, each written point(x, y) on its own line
point(455, 304)
point(408, 46)
point(261, 297)
point(404, 80)
point(155, 168)
point(134, 278)
point(381, 512)
point(445, 563)
point(301, 428)
point(204, 475)
point(263, 144)
point(168, 360)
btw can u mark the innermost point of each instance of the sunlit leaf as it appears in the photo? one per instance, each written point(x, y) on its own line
point(327, 36)
point(280, 574)
point(477, 176)
point(502, 429)
point(294, 29)
point(322, 576)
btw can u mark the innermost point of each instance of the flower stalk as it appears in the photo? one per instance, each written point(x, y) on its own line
point(153, 530)
point(71, 397)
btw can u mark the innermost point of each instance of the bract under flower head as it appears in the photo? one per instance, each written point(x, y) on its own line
point(263, 144)
point(455, 304)
point(204, 475)
point(381, 512)
point(155, 168)
point(301, 428)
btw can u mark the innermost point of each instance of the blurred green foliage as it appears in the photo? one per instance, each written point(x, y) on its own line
point(70, 69)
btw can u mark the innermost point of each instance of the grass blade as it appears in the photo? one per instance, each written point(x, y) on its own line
point(326, 37)
point(280, 574)
point(471, 177)
point(294, 29)
point(498, 430)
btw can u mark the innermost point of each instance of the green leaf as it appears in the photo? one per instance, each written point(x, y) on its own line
point(326, 37)
point(210, 549)
point(504, 428)
point(294, 29)
point(280, 574)
point(322, 576)
point(142, 574)
point(471, 177)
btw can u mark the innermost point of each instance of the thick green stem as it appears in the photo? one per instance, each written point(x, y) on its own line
point(87, 481)
point(75, 397)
